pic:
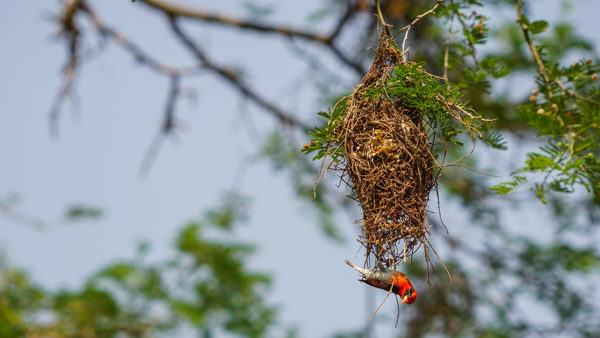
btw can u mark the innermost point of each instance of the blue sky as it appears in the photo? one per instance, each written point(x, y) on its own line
point(97, 155)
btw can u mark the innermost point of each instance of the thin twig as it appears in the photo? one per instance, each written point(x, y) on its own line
point(397, 311)
point(129, 46)
point(65, 91)
point(445, 76)
point(534, 52)
point(407, 28)
point(315, 62)
point(383, 301)
point(351, 9)
point(354, 65)
point(465, 28)
point(7, 210)
point(183, 11)
point(233, 78)
point(521, 20)
point(380, 17)
point(70, 31)
point(167, 127)
point(180, 11)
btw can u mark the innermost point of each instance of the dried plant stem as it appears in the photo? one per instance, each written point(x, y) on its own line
point(382, 302)
point(380, 17)
point(407, 28)
point(446, 56)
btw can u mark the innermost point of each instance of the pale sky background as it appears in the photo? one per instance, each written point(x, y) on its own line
point(96, 157)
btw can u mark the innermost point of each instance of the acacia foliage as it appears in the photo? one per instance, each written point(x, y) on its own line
point(205, 287)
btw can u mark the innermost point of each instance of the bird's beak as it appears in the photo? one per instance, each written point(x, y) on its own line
point(404, 299)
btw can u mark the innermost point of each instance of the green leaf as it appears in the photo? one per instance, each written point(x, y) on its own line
point(538, 26)
point(537, 162)
point(506, 188)
point(540, 193)
point(83, 212)
point(494, 139)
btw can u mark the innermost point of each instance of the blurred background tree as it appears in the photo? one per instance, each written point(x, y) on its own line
point(511, 276)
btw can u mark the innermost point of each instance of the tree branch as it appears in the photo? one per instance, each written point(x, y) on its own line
point(522, 21)
point(465, 27)
point(327, 40)
point(7, 210)
point(129, 46)
point(167, 127)
point(70, 31)
point(407, 28)
point(231, 77)
point(224, 20)
point(351, 9)
point(534, 52)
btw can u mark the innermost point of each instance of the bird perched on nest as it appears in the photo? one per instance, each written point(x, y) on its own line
point(389, 280)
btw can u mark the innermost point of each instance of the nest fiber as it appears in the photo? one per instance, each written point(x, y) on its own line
point(389, 161)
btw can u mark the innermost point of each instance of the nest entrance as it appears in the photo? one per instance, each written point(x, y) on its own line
point(390, 163)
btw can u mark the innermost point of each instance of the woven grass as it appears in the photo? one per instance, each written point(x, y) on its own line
point(390, 164)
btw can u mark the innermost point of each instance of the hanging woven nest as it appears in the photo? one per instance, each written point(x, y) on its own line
point(383, 140)
point(389, 161)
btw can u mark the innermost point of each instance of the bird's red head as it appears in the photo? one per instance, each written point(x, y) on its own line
point(404, 288)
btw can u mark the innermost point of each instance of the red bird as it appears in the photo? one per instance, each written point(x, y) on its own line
point(389, 280)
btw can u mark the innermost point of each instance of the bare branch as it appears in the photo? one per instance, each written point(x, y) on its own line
point(351, 9)
point(129, 46)
point(356, 66)
point(168, 125)
point(233, 78)
point(7, 210)
point(70, 32)
point(380, 17)
point(407, 28)
point(315, 63)
point(466, 28)
point(327, 40)
point(64, 92)
point(224, 20)
point(175, 74)
point(534, 52)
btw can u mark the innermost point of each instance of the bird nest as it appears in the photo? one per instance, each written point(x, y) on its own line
point(383, 137)
point(389, 161)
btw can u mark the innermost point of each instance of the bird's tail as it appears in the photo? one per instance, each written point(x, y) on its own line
point(365, 272)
